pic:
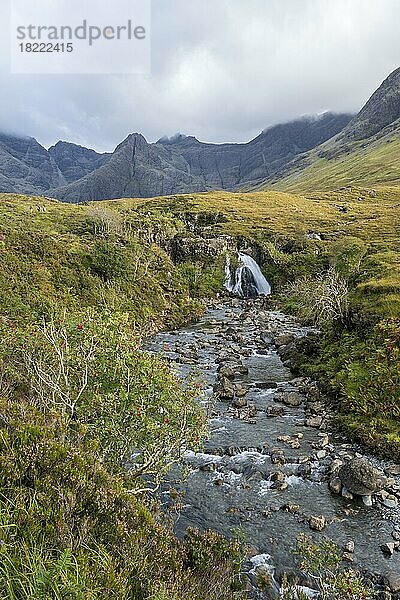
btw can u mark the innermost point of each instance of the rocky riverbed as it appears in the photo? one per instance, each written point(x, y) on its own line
point(272, 467)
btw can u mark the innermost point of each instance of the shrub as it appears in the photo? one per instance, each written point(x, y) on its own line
point(108, 260)
point(322, 300)
point(103, 221)
point(322, 564)
point(91, 371)
point(69, 528)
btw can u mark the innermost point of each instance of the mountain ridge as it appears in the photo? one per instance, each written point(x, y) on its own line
point(181, 164)
point(319, 152)
point(364, 152)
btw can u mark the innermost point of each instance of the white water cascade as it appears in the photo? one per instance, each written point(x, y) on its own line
point(248, 280)
point(229, 283)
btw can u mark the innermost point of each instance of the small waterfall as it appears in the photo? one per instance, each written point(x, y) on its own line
point(248, 281)
point(229, 282)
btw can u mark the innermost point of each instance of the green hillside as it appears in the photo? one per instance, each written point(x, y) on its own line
point(376, 164)
point(80, 286)
point(364, 153)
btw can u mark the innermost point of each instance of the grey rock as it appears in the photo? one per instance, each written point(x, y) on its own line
point(360, 478)
point(74, 162)
point(185, 165)
point(348, 556)
point(391, 502)
point(278, 476)
point(284, 339)
point(335, 485)
point(240, 391)
point(392, 580)
point(335, 466)
point(26, 167)
point(275, 411)
point(388, 548)
point(304, 470)
point(291, 508)
point(280, 486)
point(239, 402)
point(170, 166)
point(226, 371)
point(290, 398)
point(347, 494)
point(382, 109)
point(267, 385)
point(224, 389)
point(315, 422)
point(367, 500)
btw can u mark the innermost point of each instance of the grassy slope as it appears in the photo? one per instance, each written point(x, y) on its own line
point(370, 212)
point(52, 259)
point(372, 216)
point(49, 255)
point(377, 164)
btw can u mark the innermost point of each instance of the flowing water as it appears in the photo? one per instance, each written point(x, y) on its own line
point(247, 277)
point(231, 483)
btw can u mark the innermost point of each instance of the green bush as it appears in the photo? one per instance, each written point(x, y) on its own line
point(77, 397)
point(69, 528)
point(90, 370)
point(322, 565)
point(108, 260)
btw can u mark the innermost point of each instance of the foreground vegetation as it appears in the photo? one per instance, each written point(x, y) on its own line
point(79, 288)
point(89, 424)
point(322, 564)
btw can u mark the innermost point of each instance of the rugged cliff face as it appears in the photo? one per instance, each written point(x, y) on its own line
point(136, 168)
point(364, 152)
point(76, 161)
point(287, 155)
point(227, 166)
point(381, 111)
point(185, 165)
point(26, 167)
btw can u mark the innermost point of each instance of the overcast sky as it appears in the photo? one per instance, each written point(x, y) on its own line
point(222, 70)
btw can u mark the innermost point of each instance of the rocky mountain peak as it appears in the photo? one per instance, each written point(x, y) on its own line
point(381, 110)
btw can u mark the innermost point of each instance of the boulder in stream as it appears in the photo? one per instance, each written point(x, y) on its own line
point(225, 389)
point(317, 523)
point(392, 580)
point(284, 339)
point(360, 477)
point(289, 398)
point(239, 402)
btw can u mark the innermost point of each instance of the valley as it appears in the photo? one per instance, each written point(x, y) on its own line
point(168, 427)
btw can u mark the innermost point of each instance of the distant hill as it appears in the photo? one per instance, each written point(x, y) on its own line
point(75, 161)
point(181, 164)
point(365, 152)
point(26, 167)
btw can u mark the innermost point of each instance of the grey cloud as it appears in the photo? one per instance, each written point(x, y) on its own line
point(223, 70)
